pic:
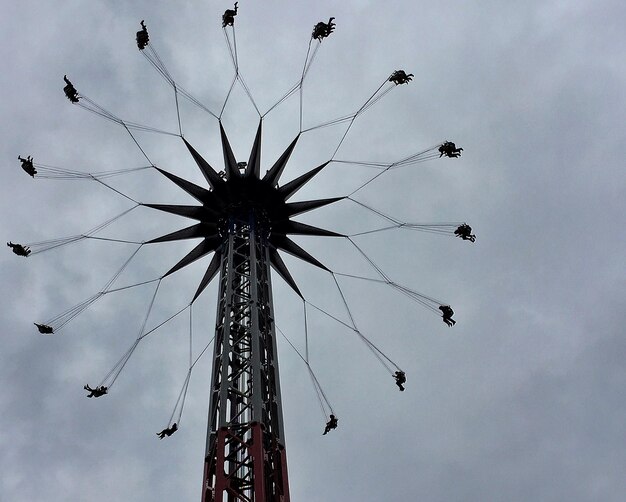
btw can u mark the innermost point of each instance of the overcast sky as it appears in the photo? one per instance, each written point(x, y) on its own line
point(524, 399)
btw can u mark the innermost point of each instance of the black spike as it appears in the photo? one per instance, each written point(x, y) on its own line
point(192, 232)
point(286, 244)
point(254, 162)
point(209, 173)
point(229, 157)
point(293, 186)
point(206, 246)
point(295, 227)
point(279, 265)
point(199, 193)
point(274, 174)
point(294, 208)
point(211, 271)
point(195, 212)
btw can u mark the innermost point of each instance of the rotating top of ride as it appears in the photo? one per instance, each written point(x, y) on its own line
point(242, 196)
point(240, 189)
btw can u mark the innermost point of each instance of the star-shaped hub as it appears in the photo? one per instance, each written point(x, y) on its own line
point(239, 193)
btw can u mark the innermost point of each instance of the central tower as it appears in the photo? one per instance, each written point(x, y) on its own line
point(245, 452)
point(244, 220)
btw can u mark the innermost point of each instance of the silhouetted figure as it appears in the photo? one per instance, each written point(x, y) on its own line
point(168, 431)
point(400, 379)
point(242, 166)
point(142, 36)
point(99, 391)
point(447, 313)
point(450, 150)
point(27, 165)
point(70, 91)
point(322, 30)
point(400, 77)
point(44, 329)
point(228, 19)
point(18, 249)
point(331, 424)
point(464, 231)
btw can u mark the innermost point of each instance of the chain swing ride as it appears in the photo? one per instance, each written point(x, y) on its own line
point(245, 221)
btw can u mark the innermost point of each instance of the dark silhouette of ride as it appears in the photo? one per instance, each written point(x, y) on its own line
point(142, 36)
point(323, 30)
point(464, 231)
point(27, 165)
point(400, 377)
point(228, 18)
point(168, 431)
point(70, 91)
point(447, 314)
point(449, 149)
point(18, 249)
point(331, 424)
point(399, 77)
point(44, 329)
point(99, 391)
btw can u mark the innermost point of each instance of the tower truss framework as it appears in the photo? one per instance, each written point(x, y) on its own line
point(245, 452)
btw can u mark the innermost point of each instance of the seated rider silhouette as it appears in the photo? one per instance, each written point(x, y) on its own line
point(70, 91)
point(400, 77)
point(400, 379)
point(101, 390)
point(449, 149)
point(44, 329)
point(142, 36)
point(322, 30)
point(464, 231)
point(168, 431)
point(18, 249)
point(27, 165)
point(331, 424)
point(447, 314)
point(228, 19)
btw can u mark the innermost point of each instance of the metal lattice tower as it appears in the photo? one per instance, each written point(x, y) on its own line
point(245, 455)
point(244, 220)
